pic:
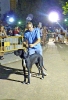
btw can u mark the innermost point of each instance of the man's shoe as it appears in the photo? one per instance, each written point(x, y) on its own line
point(45, 74)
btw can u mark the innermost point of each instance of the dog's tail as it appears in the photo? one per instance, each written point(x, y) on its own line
point(44, 68)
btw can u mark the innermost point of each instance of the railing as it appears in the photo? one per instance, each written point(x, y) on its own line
point(11, 43)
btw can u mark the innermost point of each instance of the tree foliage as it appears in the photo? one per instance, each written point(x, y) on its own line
point(65, 8)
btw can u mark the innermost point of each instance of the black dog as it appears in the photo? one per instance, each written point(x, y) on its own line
point(30, 60)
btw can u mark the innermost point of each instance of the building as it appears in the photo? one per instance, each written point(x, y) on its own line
point(13, 4)
point(6, 6)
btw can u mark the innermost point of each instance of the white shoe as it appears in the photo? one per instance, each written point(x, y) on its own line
point(45, 74)
point(24, 64)
point(30, 74)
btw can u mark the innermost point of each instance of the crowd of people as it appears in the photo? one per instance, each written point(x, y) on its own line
point(35, 36)
point(60, 35)
point(5, 32)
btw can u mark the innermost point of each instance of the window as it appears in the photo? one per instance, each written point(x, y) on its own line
point(0, 8)
point(0, 15)
point(0, 3)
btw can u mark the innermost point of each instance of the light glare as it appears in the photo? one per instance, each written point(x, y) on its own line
point(53, 17)
point(11, 19)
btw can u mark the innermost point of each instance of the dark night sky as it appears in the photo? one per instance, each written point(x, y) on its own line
point(39, 8)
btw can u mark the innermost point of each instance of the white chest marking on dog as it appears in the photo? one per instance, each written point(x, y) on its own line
point(24, 62)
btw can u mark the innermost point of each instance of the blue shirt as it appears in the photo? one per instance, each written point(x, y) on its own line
point(31, 37)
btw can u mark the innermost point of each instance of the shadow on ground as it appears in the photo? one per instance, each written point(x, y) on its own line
point(6, 71)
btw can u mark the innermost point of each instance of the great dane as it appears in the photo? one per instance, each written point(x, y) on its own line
point(35, 58)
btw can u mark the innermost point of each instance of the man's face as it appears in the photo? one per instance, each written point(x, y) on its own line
point(30, 27)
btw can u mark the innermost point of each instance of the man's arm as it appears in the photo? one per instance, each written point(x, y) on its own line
point(38, 41)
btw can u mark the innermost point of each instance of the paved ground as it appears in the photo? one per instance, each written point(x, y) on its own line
point(53, 87)
point(9, 58)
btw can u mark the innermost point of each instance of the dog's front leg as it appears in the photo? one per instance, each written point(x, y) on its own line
point(24, 70)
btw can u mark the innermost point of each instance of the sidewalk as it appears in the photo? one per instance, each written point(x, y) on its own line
point(10, 57)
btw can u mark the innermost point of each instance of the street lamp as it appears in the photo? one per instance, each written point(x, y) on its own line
point(11, 19)
point(53, 16)
point(19, 22)
point(65, 20)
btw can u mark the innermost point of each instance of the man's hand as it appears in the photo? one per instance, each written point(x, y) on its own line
point(25, 44)
point(31, 45)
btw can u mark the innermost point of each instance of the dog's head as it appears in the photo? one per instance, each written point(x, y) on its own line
point(18, 52)
point(21, 53)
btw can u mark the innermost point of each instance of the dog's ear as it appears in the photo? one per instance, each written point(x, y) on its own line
point(16, 53)
point(20, 52)
point(24, 54)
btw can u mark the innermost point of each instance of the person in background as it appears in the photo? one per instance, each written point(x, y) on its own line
point(16, 31)
point(9, 32)
point(67, 36)
point(62, 36)
point(40, 31)
point(44, 32)
point(2, 36)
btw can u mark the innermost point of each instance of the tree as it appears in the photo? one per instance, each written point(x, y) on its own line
point(65, 8)
point(65, 12)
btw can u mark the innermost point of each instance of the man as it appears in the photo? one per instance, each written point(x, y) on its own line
point(32, 36)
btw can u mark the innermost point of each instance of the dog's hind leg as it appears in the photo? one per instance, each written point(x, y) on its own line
point(40, 60)
point(38, 68)
point(42, 72)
